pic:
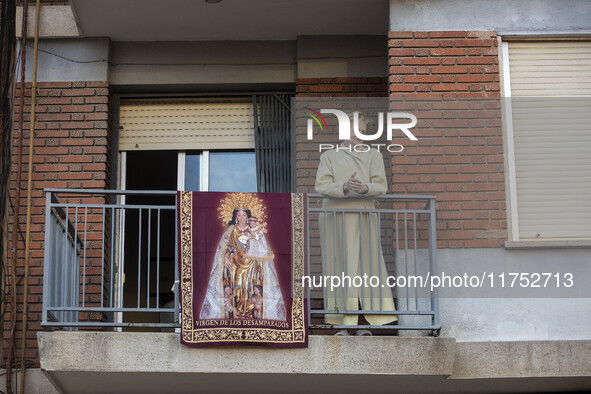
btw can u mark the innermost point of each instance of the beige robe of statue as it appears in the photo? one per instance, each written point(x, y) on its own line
point(342, 248)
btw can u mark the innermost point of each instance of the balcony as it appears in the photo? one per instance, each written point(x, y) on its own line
point(111, 257)
point(110, 267)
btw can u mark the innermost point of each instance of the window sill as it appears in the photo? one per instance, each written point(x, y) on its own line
point(548, 244)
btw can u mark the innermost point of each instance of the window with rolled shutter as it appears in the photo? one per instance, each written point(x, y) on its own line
point(216, 124)
point(183, 124)
point(550, 86)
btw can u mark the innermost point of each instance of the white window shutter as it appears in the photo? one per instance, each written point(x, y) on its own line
point(186, 124)
point(551, 114)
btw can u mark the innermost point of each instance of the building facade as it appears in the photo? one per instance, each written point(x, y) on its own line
point(118, 82)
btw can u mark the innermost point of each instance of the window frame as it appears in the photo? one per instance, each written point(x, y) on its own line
point(204, 168)
point(514, 241)
point(510, 174)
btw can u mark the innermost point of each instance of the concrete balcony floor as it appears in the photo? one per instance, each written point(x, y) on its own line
point(124, 362)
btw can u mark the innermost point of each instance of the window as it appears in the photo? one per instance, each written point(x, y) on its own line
point(257, 128)
point(199, 144)
point(547, 85)
point(219, 171)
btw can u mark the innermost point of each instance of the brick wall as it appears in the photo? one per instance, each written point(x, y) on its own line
point(447, 63)
point(450, 81)
point(307, 155)
point(72, 150)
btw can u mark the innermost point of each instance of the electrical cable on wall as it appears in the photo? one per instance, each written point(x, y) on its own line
point(7, 89)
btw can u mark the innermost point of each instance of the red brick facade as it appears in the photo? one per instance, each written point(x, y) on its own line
point(450, 80)
point(72, 150)
point(456, 63)
point(459, 154)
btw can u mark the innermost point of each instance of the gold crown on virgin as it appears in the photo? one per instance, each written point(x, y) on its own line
point(242, 201)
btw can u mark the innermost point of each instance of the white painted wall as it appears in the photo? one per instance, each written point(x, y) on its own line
point(61, 60)
point(500, 15)
point(505, 318)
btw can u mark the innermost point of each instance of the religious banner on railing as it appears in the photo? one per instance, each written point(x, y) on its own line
point(241, 259)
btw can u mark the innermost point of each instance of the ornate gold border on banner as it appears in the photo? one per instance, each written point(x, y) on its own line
point(229, 334)
point(186, 224)
point(297, 263)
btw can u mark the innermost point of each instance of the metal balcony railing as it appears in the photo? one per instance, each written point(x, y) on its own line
point(90, 235)
point(382, 259)
point(111, 260)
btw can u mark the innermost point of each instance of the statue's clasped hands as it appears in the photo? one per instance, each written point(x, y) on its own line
point(355, 185)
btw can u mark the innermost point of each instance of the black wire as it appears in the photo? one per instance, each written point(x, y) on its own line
point(7, 73)
point(19, 229)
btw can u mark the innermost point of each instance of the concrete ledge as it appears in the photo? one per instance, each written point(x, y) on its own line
point(548, 244)
point(162, 352)
point(342, 56)
point(202, 62)
point(522, 359)
point(107, 362)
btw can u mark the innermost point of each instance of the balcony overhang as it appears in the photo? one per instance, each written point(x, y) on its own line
point(198, 20)
point(107, 362)
point(79, 362)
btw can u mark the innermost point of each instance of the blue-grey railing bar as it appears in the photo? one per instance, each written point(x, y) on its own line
point(75, 325)
point(69, 271)
point(407, 260)
point(46, 260)
point(59, 280)
point(126, 206)
point(106, 309)
point(111, 192)
point(433, 260)
point(176, 283)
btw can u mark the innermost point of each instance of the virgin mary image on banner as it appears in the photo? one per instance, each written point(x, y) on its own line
point(241, 260)
point(243, 281)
